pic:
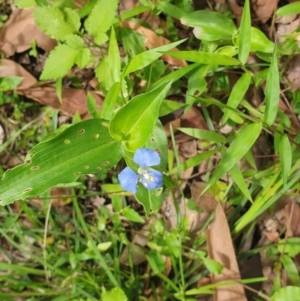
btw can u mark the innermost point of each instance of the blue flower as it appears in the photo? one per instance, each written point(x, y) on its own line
point(150, 178)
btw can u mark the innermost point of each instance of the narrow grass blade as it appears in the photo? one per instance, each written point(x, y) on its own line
point(285, 155)
point(237, 150)
point(272, 91)
point(203, 134)
point(236, 96)
point(245, 34)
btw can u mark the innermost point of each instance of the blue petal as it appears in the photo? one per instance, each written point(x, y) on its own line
point(146, 157)
point(128, 179)
point(151, 179)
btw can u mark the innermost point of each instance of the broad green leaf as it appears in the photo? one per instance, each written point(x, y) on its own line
point(150, 199)
point(116, 294)
point(159, 142)
point(74, 41)
point(134, 122)
point(72, 19)
point(289, 9)
point(25, 3)
point(144, 59)
point(51, 21)
point(285, 155)
point(59, 62)
point(290, 246)
point(288, 293)
point(210, 25)
point(290, 268)
point(110, 100)
point(204, 57)
point(101, 19)
point(212, 265)
point(236, 151)
point(61, 3)
point(245, 34)
point(259, 42)
point(132, 215)
point(169, 106)
point(83, 148)
point(170, 10)
point(272, 91)
point(83, 57)
point(203, 134)
point(238, 92)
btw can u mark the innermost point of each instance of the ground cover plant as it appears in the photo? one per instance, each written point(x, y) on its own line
point(149, 150)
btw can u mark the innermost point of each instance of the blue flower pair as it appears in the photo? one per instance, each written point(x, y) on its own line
point(150, 178)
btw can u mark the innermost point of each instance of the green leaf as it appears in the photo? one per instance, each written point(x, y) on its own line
point(210, 25)
point(132, 215)
point(285, 155)
point(25, 3)
point(10, 82)
point(272, 91)
point(236, 151)
point(175, 75)
point(114, 60)
point(204, 57)
point(236, 96)
point(144, 59)
point(288, 293)
point(116, 294)
point(169, 106)
point(83, 57)
point(289, 9)
point(203, 134)
point(134, 122)
point(101, 19)
point(170, 9)
point(51, 21)
point(72, 19)
point(136, 10)
point(213, 266)
point(194, 161)
point(291, 246)
point(240, 182)
point(59, 62)
point(92, 106)
point(83, 148)
point(110, 100)
point(74, 41)
point(150, 199)
point(245, 34)
point(290, 268)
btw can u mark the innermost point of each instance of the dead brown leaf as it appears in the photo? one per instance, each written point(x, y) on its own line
point(264, 9)
point(153, 41)
point(19, 31)
point(10, 68)
point(292, 217)
point(73, 100)
point(220, 248)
